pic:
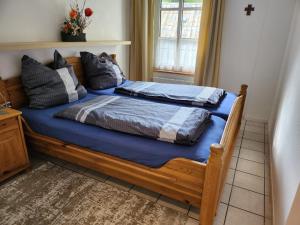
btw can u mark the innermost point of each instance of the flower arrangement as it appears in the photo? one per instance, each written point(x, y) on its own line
point(78, 20)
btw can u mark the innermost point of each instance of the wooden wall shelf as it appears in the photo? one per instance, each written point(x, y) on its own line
point(58, 44)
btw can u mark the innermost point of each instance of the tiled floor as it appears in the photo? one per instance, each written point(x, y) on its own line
point(245, 199)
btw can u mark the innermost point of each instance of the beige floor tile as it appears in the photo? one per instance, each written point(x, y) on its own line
point(253, 136)
point(247, 200)
point(144, 193)
point(194, 212)
point(221, 214)
point(236, 152)
point(226, 193)
point(241, 132)
point(119, 183)
point(253, 145)
point(251, 167)
point(255, 123)
point(255, 129)
point(233, 162)
point(173, 204)
point(268, 207)
point(95, 175)
point(230, 176)
point(252, 155)
point(240, 217)
point(238, 142)
point(192, 221)
point(242, 128)
point(248, 181)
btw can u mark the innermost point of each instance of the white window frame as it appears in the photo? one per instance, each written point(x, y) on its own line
point(157, 29)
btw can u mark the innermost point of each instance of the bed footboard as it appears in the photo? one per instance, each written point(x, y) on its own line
point(219, 161)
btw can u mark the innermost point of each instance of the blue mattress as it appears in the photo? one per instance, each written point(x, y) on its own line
point(137, 149)
point(222, 110)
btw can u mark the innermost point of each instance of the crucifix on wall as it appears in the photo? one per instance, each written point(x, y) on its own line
point(249, 9)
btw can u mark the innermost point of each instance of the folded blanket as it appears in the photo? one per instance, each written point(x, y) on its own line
point(175, 124)
point(177, 93)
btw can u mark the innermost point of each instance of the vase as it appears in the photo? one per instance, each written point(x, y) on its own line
point(70, 38)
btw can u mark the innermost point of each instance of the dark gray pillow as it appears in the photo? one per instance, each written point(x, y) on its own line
point(58, 62)
point(101, 72)
point(47, 87)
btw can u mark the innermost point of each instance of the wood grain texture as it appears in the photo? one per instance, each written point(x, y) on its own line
point(58, 44)
point(185, 180)
point(13, 150)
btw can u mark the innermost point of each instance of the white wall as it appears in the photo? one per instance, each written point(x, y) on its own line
point(40, 20)
point(284, 127)
point(252, 50)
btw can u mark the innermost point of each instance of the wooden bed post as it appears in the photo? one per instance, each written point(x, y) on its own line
point(3, 91)
point(114, 56)
point(210, 196)
point(243, 92)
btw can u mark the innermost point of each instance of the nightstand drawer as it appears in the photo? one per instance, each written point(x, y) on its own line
point(8, 124)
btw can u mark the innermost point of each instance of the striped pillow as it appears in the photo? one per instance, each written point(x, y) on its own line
point(46, 87)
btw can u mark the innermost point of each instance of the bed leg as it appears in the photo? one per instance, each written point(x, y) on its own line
point(211, 190)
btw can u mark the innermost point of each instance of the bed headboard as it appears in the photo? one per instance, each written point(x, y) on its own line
point(13, 90)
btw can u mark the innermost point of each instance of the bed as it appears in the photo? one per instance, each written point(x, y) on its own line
point(222, 110)
point(196, 182)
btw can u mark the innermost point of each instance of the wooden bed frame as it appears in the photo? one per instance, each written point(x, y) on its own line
point(192, 182)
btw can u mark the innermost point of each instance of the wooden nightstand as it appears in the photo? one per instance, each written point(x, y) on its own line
point(13, 151)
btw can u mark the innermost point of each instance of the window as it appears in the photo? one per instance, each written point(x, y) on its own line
point(177, 34)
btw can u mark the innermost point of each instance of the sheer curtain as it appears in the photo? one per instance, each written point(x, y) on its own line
point(181, 58)
point(177, 35)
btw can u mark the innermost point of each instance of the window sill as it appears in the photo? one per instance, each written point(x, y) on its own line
point(174, 72)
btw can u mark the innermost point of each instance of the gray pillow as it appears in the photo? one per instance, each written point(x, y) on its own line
point(101, 72)
point(46, 87)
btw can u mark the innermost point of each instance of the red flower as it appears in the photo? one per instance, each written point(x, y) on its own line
point(88, 12)
point(73, 14)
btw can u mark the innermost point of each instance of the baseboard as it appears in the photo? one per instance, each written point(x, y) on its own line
point(272, 185)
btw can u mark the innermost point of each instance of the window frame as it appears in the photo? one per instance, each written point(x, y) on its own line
point(157, 31)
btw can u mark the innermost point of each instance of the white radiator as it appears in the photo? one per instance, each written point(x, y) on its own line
point(172, 79)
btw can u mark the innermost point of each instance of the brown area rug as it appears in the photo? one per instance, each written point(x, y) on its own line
point(54, 195)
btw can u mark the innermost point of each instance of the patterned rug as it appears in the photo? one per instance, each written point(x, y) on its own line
point(54, 195)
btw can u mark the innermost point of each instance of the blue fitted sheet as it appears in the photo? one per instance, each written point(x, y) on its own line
point(138, 149)
point(222, 110)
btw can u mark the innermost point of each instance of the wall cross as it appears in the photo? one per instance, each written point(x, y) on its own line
point(249, 9)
